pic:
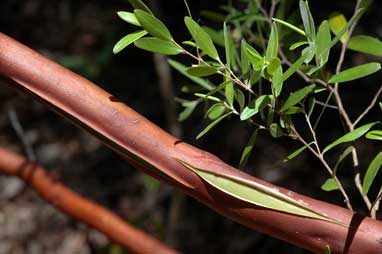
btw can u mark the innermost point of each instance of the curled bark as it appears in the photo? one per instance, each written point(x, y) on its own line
point(157, 153)
point(79, 207)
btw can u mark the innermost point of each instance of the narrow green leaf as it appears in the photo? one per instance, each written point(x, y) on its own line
point(254, 107)
point(297, 152)
point(186, 113)
point(215, 111)
point(201, 71)
point(229, 93)
point(229, 47)
point(248, 149)
point(322, 42)
point(290, 26)
point(201, 37)
point(371, 172)
point(273, 65)
point(273, 44)
point(330, 185)
point(158, 46)
point(293, 110)
point(129, 17)
point(138, 4)
point(257, 194)
point(309, 52)
point(208, 97)
point(277, 81)
point(365, 44)
point(307, 20)
point(127, 40)
point(327, 249)
point(355, 73)
point(296, 97)
point(182, 69)
point(244, 58)
point(152, 25)
point(344, 154)
point(337, 23)
point(298, 44)
point(212, 125)
point(240, 98)
point(216, 36)
point(375, 135)
point(295, 66)
point(253, 56)
point(351, 136)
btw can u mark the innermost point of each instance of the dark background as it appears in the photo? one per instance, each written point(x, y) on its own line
point(81, 35)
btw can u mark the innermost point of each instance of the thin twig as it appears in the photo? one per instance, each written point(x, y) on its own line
point(371, 105)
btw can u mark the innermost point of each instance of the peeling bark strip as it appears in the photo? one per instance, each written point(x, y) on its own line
point(78, 207)
point(154, 151)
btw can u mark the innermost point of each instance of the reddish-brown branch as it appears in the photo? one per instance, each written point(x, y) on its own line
point(136, 138)
point(79, 207)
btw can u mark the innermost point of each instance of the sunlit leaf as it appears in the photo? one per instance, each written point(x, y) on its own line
point(297, 44)
point(371, 172)
point(127, 40)
point(182, 69)
point(365, 44)
point(201, 71)
point(229, 47)
point(337, 23)
point(248, 149)
point(229, 93)
point(215, 111)
point(207, 97)
point(216, 36)
point(152, 25)
point(355, 73)
point(129, 17)
point(158, 46)
point(277, 80)
point(201, 37)
point(244, 58)
point(254, 107)
point(212, 125)
point(375, 135)
point(273, 65)
point(297, 97)
point(351, 136)
point(330, 185)
point(256, 193)
point(138, 4)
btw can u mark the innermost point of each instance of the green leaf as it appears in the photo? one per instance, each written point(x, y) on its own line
point(309, 52)
point(355, 73)
point(297, 152)
point(296, 97)
point(298, 44)
point(254, 107)
point(277, 81)
point(138, 4)
point(244, 58)
point(290, 26)
point(201, 71)
point(327, 249)
point(229, 93)
point(322, 42)
point(186, 113)
point(158, 46)
point(330, 185)
point(351, 136)
point(254, 57)
point(127, 40)
point(275, 130)
point(229, 47)
point(212, 125)
point(375, 135)
point(182, 69)
point(371, 172)
point(273, 44)
point(215, 111)
point(273, 65)
point(240, 98)
point(207, 97)
point(307, 20)
point(365, 44)
point(337, 23)
point(129, 18)
point(152, 25)
point(216, 36)
point(201, 37)
point(295, 66)
point(256, 193)
point(248, 149)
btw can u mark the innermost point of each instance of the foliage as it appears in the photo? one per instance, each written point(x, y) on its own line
point(245, 68)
